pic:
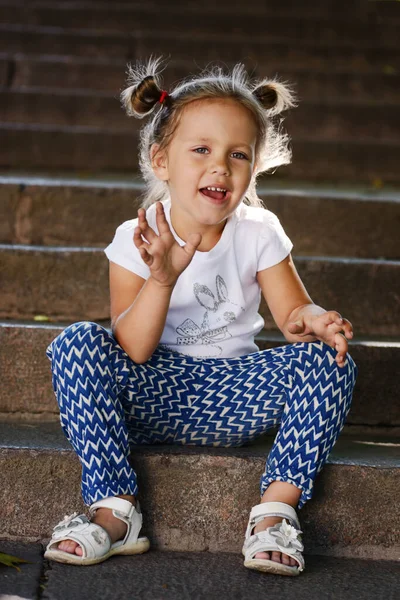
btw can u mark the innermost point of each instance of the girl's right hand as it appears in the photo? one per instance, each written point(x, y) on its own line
point(163, 255)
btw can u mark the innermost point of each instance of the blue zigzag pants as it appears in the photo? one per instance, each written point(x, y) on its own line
point(108, 403)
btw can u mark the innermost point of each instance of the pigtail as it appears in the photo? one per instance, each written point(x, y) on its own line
point(275, 96)
point(144, 89)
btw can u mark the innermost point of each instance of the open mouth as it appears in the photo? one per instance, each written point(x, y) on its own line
point(214, 194)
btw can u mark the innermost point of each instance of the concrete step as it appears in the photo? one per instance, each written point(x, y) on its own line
point(23, 359)
point(45, 275)
point(371, 11)
point(201, 48)
point(309, 121)
point(56, 210)
point(198, 575)
point(380, 10)
point(87, 149)
point(113, 18)
point(25, 71)
point(36, 461)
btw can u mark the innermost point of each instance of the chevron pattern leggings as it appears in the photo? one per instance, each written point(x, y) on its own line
point(108, 403)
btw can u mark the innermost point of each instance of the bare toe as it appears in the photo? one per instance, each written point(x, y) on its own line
point(285, 559)
point(276, 556)
point(70, 546)
point(264, 555)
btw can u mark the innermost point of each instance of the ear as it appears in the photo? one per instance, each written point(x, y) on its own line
point(159, 162)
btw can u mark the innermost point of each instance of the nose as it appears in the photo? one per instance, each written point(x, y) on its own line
point(220, 166)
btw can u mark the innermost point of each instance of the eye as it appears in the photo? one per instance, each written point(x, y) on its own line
point(241, 153)
point(195, 150)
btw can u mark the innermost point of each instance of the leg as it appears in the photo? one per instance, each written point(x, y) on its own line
point(89, 372)
point(248, 398)
point(298, 384)
point(107, 402)
point(318, 401)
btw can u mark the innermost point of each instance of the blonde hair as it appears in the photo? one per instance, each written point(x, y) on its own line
point(265, 98)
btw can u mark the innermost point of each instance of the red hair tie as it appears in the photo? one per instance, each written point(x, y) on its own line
point(164, 94)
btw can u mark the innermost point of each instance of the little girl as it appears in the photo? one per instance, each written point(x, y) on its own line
point(181, 365)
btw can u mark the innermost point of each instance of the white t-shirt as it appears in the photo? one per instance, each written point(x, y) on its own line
point(213, 311)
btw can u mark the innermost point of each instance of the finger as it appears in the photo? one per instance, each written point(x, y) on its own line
point(345, 328)
point(337, 323)
point(137, 237)
point(162, 223)
point(341, 346)
point(341, 355)
point(341, 363)
point(193, 242)
point(348, 329)
point(147, 258)
point(141, 215)
point(296, 327)
point(145, 228)
point(341, 359)
point(139, 240)
point(332, 316)
point(341, 342)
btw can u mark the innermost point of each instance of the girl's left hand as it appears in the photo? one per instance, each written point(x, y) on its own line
point(329, 328)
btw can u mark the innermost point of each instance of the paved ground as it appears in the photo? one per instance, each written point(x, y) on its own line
point(193, 576)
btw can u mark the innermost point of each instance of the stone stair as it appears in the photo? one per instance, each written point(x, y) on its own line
point(195, 576)
point(62, 67)
point(69, 177)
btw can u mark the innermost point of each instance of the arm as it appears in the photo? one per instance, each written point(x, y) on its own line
point(299, 319)
point(139, 307)
point(138, 311)
point(286, 296)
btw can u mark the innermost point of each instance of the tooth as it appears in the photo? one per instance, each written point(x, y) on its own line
point(216, 189)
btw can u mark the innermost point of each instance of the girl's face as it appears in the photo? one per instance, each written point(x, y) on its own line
point(213, 145)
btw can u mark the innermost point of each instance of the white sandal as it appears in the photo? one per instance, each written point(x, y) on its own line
point(283, 537)
point(94, 539)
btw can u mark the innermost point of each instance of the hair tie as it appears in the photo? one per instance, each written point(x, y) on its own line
point(164, 94)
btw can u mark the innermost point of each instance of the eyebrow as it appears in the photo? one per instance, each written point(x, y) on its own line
point(205, 139)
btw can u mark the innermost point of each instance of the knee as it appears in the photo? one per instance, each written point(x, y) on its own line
point(324, 351)
point(349, 369)
point(345, 379)
point(75, 336)
point(322, 363)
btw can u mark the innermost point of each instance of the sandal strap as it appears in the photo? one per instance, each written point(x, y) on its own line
point(126, 512)
point(270, 509)
point(92, 538)
point(122, 506)
point(278, 538)
point(274, 509)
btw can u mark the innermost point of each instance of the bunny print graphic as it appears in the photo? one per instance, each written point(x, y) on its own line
point(219, 312)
